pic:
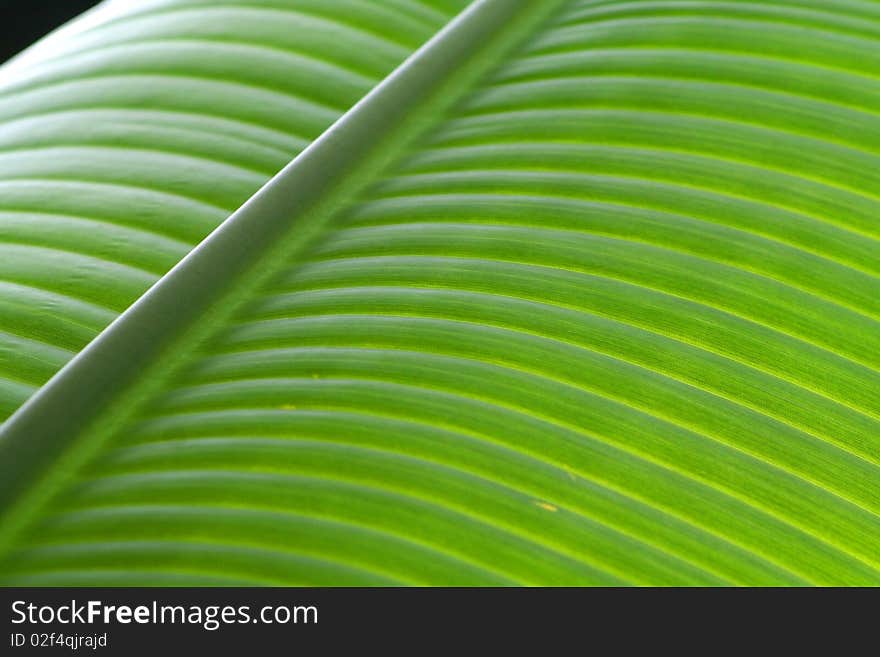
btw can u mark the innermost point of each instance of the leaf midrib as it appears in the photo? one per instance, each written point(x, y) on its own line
point(67, 422)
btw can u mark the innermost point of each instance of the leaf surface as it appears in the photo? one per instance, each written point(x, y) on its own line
point(583, 293)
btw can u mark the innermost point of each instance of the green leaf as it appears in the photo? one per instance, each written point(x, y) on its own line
point(584, 292)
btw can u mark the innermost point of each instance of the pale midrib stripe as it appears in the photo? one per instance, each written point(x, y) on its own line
point(660, 246)
point(316, 106)
point(270, 138)
point(528, 491)
point(262, 12)
point(576, 507)
point(749, 10)
point(631, 240)
point(574, 174)
point(25, 387)
point(32, 385)
point(111, 310)
point(747, 23)
point(309, 58)
point(99, 221)
point(205, 577)
point(186, 157)
point(636, 283)
point(239, 547)
point(651, 411)
point(48, 67)
point(192, 565)
point(551, 104)
point(63, 179)
point(489, 522)
point(487, 439)
point(282, 512)
point(628, 322)
point(873, 113)
point(632, 494)
point(625, 109)
point(133, 269)
point(277, 133)
point(723, 193)
point(62, 352)
point(422, 85)
point(821, 67)
point(106, 312)
point(103, 255)
point(562, 423)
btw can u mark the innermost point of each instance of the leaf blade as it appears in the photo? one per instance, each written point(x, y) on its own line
point(533, 374)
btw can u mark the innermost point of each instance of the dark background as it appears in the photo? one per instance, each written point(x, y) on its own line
point(24, 21)
point(593, 622)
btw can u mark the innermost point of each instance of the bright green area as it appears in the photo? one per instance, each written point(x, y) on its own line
point(597, 304)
